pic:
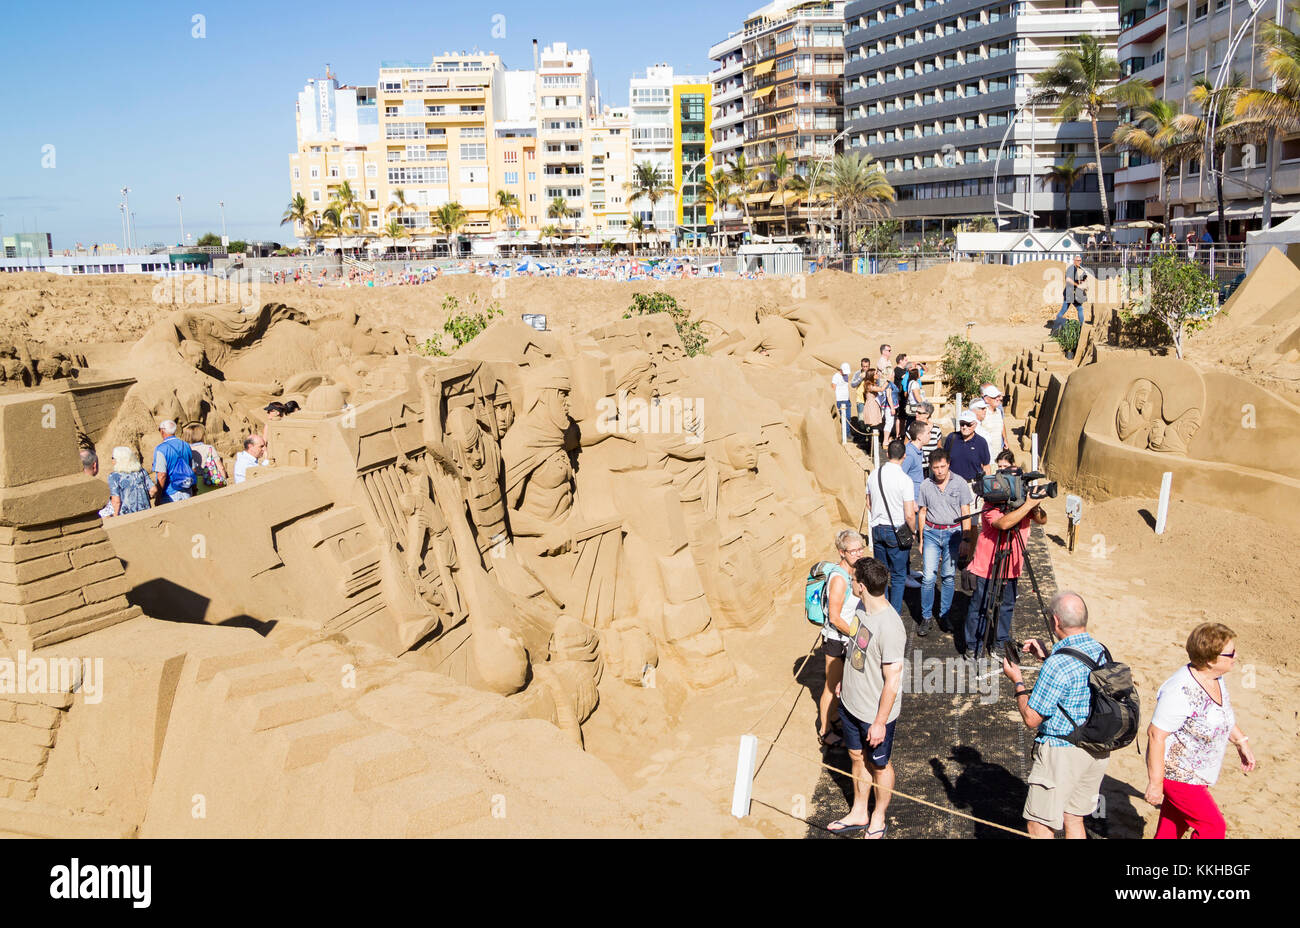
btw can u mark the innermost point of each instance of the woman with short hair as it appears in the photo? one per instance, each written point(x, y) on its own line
point(1192, 726)
point(129, 485)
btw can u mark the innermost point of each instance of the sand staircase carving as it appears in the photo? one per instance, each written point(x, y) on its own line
point(295, 731)
point(1029, 382)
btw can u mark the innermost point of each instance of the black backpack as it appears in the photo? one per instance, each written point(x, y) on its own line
point(1112, 721)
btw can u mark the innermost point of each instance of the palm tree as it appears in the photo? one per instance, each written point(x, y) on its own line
point(1082, 83)
point(1190, 131)
point(857, 184)
point(1150, 131)
point(559, 209)
point(1067, 174)
point(550, 232)
point(1277, 111)
point(349, 203)
point(648, 184)
point(507, 207)
point(717, 191)
point(449, 219)
point(783, 181)
point(395, 230)
point(744, 179)
point(297, 212)
point(398, 203)
point(331, 223)
point(636, 225)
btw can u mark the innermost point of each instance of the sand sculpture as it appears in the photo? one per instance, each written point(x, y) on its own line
point(533, 520)
point(1121, 424)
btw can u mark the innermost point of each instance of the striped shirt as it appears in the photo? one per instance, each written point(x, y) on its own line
point(930, 445)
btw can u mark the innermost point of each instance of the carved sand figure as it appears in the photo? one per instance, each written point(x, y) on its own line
point(429, 550)
point(1141, 420)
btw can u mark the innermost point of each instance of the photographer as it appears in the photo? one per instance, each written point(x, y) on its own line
point(994, 522)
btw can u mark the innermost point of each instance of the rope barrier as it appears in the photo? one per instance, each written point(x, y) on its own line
point(894, 792)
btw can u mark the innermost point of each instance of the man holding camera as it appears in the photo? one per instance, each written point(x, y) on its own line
point(994, 524)
point(1065, 779)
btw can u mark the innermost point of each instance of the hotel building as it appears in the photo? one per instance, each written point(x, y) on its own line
point(932, 89)
point(1171, 45)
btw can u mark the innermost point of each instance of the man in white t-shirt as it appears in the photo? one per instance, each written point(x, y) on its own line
point(892, 496)
point(251, 456)
point(994, 426)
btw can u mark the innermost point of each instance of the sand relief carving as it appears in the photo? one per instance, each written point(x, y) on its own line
point(1141, 422)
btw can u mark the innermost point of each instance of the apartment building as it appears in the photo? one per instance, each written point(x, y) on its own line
point(692, 157)
point(567, 101)
point(608, 144)
point(727, 128)
point(935, 90)
point(1172, 45)
point(792, 54)
point(338, 140)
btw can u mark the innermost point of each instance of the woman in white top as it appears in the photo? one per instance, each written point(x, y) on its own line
point(1192, 726)
point(840, 606)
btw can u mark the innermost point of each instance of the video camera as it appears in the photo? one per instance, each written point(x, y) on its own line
point(1010, 488)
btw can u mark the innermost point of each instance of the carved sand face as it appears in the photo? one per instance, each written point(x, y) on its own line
point(557, 407)
point(503, 412)
point(742, 453)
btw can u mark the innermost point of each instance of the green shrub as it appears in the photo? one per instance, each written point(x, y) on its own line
point(461, 325)
point(966, 367)
point(690, 330)
point(1067, 335)
point(1133, 326)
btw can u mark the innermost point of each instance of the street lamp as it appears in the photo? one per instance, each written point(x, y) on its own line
point(812, 182)
point(222, 204)
point(180, 209)
point(126, 204)
point(121, 208)
point(1033, 101)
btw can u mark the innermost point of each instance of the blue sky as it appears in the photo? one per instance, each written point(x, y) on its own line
point(126, 95)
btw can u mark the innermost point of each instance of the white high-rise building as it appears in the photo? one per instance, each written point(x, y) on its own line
point(567, 100)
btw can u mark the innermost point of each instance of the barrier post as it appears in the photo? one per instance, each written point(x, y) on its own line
point(743, 794)
point(1033, 439)
point(1162, 512)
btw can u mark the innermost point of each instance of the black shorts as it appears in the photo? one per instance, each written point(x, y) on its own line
point(833, 647)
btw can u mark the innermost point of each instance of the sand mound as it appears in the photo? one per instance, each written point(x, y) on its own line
point(1257, 333)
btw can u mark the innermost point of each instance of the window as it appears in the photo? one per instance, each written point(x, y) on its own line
point(511, 157)
point(473, 175)
point(351, 171)
point(532, 176)
point(473, 133)
point(315, 173)
point(512, 177)
point(295, 174)
point(532, 198)
point(476, 151)
point(413, 175)
point(334, 170)
point(315, 195)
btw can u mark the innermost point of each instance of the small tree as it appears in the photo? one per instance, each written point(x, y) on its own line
point(1183, 297)
point(462, 325)
point(966, 367)
point(879, 236)
point(691, 330)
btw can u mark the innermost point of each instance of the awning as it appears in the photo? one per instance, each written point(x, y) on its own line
point(765, 92)
point(758, 199)
point(765, 67)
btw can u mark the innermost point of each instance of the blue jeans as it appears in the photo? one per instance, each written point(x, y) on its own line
point(974, 616)
point(895, 559)
point(1065, 311)
point(941, 545)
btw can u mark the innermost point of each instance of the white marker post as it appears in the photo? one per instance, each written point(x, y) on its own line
point(745, 764)
point(956, 416)
point(1033, 440)
point(1162, 512)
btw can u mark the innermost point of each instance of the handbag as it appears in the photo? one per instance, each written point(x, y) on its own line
point(903, 536)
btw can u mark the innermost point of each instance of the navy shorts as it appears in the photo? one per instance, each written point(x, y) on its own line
point(834, 647)
point(855, 738)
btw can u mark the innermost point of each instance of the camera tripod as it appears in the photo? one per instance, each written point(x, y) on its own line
point(1009, 540)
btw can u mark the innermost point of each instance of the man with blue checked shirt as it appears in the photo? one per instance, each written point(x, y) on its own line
point(1065, 780)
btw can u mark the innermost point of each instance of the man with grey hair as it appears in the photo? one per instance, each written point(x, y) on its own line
point(173, 470)
point(89, 462)
point(1065, 779)
point(840, 606)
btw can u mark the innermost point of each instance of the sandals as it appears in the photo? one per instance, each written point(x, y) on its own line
point(845, 829)
point(876, 835)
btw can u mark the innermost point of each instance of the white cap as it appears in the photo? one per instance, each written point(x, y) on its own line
point(990, 390)
point(967, 416)
point(979, 404)
point(844, 369)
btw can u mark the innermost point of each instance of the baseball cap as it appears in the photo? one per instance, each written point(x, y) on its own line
point(979, 404)
point(844, 369)
point(990, 391)
point(967, 416)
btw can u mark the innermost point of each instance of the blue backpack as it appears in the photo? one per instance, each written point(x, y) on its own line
point(816, 592)
point(180, 470)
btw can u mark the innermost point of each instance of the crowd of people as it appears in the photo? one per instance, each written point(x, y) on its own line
point(926, 498)
point(183, 466)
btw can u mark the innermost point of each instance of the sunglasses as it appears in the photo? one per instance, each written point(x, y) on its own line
point(968, 425)
point(1227, 654)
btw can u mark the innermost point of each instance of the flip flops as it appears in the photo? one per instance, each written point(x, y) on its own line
point(845, 829)
point(877, 835)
